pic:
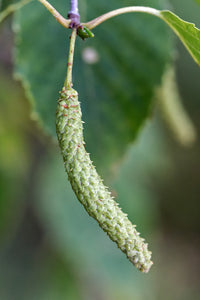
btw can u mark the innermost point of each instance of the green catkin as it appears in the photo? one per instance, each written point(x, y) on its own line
point(89, 187)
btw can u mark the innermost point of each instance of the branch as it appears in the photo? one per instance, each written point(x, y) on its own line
point(95, 22)
point(64, 22)
point(74, 14)
point(68, 81)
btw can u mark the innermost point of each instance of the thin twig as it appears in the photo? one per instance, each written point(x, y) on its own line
point(74, 7)
point(74, 14)
point(64, 22)
point(68, 81)
point(95, 22)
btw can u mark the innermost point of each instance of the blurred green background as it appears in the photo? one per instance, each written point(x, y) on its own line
point(50, 249)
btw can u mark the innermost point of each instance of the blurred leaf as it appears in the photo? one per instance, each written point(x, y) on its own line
point(5, 3)
point(36, 274)
point(173, 111)
point(57, 279)
point(13, 155)
point(115, 91)
point(187, 32)
point(9, 6)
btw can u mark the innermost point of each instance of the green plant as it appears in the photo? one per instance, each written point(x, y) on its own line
point(72, 135)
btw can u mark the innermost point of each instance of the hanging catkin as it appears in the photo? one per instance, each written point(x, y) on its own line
point(89, 187)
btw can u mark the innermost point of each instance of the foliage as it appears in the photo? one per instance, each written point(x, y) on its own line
point(119, 109)
point(187, 32)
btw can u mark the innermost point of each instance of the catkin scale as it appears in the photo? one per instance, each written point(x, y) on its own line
point(89, 187)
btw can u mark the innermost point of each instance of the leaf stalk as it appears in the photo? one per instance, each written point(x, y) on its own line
point(60, 19)
point(68, 81)
point(129, 9)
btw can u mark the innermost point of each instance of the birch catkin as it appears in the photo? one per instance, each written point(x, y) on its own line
point(89, 187)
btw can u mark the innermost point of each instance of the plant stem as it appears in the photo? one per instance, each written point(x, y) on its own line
point(74, 14)
point(12, 8)
point(74, 7)
point(68, 80)
point(113, 13)
point(64, 22)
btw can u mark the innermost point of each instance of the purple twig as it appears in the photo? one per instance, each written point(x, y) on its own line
point(74, 14)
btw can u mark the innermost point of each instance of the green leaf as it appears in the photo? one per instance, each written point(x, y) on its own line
point(187, 32)
point(115, 91)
